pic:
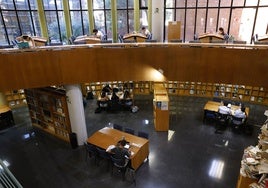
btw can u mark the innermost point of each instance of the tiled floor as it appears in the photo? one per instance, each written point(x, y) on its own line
point(184, 161)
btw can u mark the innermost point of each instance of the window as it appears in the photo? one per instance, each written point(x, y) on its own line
point(55, 20)
point(18, 18)
point(125, 16)
point(79, 17)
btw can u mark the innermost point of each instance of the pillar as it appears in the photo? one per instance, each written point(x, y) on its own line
point(76, 112)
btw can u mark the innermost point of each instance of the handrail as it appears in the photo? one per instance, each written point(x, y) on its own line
point(141, 44)
point(7, 179)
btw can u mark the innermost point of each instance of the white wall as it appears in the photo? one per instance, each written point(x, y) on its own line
point(157, 19)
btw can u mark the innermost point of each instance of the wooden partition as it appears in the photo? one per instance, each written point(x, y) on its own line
point(78, 64)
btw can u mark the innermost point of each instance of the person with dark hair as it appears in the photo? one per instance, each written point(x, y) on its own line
point(222, 32)
point(120, 152)
point(240, 113)
point(145, 32)
point(224, 109)
point(97, 34)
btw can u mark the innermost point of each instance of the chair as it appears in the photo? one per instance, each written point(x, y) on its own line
point(121, 168)
point(143, 134)
point(102, 154)
point(239, 42)
point(91, 151)
point(209, 116)
point(129, 130)
point(237, 124)
point(222, 121)
point(118, 127)
point(150, 40)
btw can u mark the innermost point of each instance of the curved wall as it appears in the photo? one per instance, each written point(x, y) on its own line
point(71, 65)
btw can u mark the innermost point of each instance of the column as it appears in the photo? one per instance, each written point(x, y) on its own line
point(76, 112)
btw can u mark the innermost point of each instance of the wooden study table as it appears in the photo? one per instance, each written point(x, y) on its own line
point(214, 106)
point(137, 37)
point(106, 136)
point(87, 39)
point(208, 38)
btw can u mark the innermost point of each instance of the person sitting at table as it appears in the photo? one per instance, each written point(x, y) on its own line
point(240, 113)
point(97, 34)
point(114, 97)
point(225, 35)
point(145, 32)
point(103, 101)
point(107, 89)
point(127, 98)
point(120, 152)
point(224, 109)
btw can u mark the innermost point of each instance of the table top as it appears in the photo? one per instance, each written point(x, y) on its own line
point(107, 136)
point(126, 36)
point(214, 106)
point(211, 35)
point(4, 108)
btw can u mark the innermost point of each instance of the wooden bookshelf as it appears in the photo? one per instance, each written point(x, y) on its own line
point(15, 98)
point(48, 111)
point(226, 91)
point(161, 107)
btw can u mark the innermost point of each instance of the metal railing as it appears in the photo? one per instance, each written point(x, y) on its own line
point(7, 179)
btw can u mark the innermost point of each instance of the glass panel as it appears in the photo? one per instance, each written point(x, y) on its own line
point(76, 23)
point(108, 4)
point(25, 23)
point(84, 4)
point(242, 23)
point(130, 3)
point(226, 3)
point(33, 4)
point(131, 20)
point(3, 40)
point(170, 3)
point(191, 3)
point(6, 4)
point(263, 2)
point(98, 4)
point(180, 15)
point(251, 2)
point(122, 22)
point(49, 5)
point(85, 22)
point(22, 5)
point(121, 4)
point(200, 21)
point(224, 18)
point(213, 3)
point(212, 20)
point(108, 25)
point(202, 3)
point(143, 3)
point(99, 19)
point(143, 18)
point(74, 4)
point(190, 21)
point(11, 24)
point(37, 27)
point(238, 3)
point(261, 22)
point(180, 3)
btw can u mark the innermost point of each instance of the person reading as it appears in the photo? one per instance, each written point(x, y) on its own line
point(222, 33)
point(120, 152)
point(145, 32)
point(97, 34)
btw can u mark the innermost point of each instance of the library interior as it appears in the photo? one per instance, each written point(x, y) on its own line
point(134, 93)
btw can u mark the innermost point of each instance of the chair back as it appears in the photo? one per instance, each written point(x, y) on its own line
point(237, 120)
point(129, 130)
point(118, 127)
point(103, 154)
point(118, 162)
point(143, 134)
